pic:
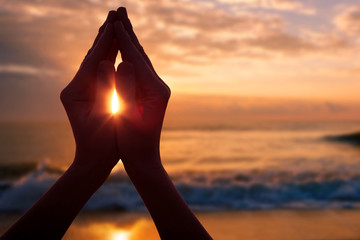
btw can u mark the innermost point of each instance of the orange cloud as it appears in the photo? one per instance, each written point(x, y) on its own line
point(282, 5)
point(215, 46)
point(171, 32)
point(349, 21)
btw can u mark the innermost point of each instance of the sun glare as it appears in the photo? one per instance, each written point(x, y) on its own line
point(121, 235)
point(114, 102)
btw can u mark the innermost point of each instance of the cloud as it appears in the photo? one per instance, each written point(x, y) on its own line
point(281, 5)
point(188, 35)
point(172, 32)
point(349, 21)
point(26, 70)
point(45, 41)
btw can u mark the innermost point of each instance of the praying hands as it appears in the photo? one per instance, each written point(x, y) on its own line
point(102, 138)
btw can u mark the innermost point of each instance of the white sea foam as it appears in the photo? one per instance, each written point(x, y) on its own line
point(205, 190)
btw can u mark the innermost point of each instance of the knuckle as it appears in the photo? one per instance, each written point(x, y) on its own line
point(168, 93)
point(65, 95)
point(102, 28)
point(165, 92)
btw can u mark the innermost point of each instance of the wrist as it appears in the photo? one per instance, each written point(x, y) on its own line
point(89, 173)
point(98, 162)
point(143, 166)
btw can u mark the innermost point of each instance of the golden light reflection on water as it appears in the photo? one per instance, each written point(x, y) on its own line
point(140, 229)
point(120, 235)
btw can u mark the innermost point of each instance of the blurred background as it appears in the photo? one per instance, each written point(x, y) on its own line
point(261, 135)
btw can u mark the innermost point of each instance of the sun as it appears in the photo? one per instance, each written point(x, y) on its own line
point(121, 235)
point(114, 102)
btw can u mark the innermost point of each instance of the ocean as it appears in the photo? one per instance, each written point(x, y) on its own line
point(256, 165)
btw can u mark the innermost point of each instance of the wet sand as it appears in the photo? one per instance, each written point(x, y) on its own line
point(234, 225)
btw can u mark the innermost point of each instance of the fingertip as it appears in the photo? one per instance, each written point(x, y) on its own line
point(123, 17)
point(111, 16)
point(121, 11)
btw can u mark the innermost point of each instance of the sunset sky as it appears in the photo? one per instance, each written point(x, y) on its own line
point(262, 56)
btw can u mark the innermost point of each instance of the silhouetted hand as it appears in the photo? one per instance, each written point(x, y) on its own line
point(145, 96)
point(86, 101)
point(138, 135)
point(101, 138)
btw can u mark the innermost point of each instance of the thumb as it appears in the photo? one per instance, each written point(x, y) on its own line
point(126, 87)
point(104, 87)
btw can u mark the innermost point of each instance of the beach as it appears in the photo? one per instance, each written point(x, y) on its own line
point(269, 181)
point(232, 225)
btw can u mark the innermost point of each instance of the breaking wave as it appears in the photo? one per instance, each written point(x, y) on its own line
point(204, 191)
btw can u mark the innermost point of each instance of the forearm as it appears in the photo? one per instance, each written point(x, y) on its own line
point(52, 214)
point(172, 217)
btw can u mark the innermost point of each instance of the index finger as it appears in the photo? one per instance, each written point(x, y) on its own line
point(128, 50)
point(129, 53)
point(110, 18)
point(121, 14)
point(103, 47)
point(86, 74)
